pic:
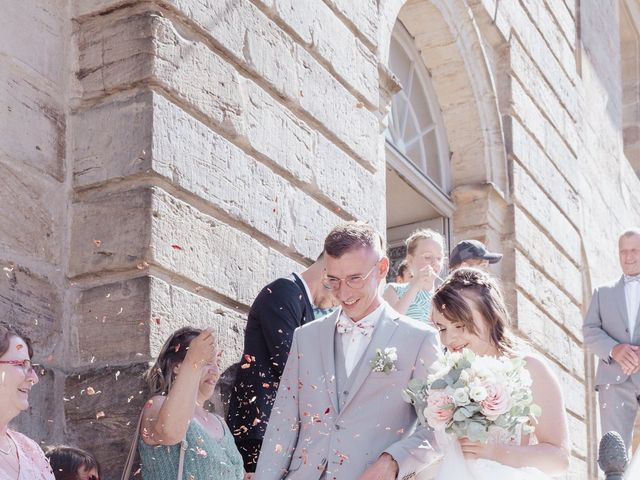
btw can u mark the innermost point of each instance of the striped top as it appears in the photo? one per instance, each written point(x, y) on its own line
point(206, 458)
point(420, 308)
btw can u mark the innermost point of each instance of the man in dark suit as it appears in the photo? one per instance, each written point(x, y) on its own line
point(281, 307)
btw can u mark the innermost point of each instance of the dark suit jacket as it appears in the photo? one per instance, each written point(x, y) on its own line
point(280, 308)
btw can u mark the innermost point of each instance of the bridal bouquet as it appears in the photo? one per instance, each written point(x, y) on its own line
point(470, 395)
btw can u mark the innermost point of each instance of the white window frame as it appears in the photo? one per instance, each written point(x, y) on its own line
point(437, 189)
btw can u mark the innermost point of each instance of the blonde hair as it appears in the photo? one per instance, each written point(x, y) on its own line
point(423, 234)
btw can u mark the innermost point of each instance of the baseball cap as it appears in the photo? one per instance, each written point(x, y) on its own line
point(471, 249)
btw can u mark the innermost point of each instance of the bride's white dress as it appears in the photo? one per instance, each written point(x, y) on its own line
point(455, 467)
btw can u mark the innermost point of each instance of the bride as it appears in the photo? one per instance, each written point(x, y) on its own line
point(469, 312)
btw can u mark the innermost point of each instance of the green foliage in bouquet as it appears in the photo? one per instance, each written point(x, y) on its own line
point(470, 394)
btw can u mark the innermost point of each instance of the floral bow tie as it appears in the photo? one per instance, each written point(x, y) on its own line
point(347, 326)
point(631, 278)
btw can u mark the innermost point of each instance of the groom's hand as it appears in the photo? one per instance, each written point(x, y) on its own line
point(385, 468)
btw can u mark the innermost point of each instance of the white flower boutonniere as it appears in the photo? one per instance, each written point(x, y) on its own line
point(385, 360)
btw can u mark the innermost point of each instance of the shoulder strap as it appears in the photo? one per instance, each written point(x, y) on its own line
point(128, 466)
point(126, 473)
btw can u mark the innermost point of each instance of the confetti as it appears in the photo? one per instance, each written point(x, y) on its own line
point(90, 391)
point(100, 415)
point(278, 448)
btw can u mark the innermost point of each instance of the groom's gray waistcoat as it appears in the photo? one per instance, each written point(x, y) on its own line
point(324, 423)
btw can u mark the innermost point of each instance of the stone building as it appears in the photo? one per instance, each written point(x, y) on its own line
point(161, 160)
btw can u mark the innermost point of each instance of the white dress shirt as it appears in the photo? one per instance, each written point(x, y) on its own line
point(632, 296)
point(356, 341)
point(306, 287)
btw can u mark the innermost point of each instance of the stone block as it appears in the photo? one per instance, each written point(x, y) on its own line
point(103, 419)
point(201, 161)
point(115, 52)
point(547, 336)
point(531, 197)
point(560, 113)
point(324, 33)
point(32, 32)
point(539, 249)
point(139, 143)
point(101, 154)
point(147, 48)
point(573, 390)
point(128, 321)
point(546, 295)
point(578, 435)
point(29, 217)
point(42, 421)
point(111, 324)
point(257, 44)
point(362, 15)
point(110, 231)
point(544, 132)
point(213, 254)
point(26, 99)
point(514, 19)
point(32, 302)
point(156, 228)
point(173, 307)
point(562, 47)
point(578, 469)
point(543, 170)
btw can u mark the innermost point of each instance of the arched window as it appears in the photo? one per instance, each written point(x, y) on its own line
point(416, 131)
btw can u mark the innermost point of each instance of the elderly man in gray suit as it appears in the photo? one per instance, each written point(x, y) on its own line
point(339, 414)
point(611, 330)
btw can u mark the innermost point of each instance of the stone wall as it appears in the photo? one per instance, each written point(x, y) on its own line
point(165, 159)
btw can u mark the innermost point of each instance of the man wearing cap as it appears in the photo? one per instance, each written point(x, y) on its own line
point(472, 253)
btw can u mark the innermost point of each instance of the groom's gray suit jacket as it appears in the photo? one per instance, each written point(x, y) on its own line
point(327, 425)
point(606, 325)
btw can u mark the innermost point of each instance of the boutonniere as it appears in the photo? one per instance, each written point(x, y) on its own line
point(385, 360)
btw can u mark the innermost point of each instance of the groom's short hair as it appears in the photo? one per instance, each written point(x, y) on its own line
point(350, 236)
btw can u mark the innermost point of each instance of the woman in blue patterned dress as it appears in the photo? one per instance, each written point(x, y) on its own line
point(425, 255)
point(181, 382)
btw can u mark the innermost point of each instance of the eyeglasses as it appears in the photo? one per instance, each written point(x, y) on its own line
point(353, 281)
point(26, 365)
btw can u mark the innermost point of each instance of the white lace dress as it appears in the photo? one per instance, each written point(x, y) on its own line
point(454, 465)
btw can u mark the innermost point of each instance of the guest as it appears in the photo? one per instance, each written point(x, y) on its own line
point(182, 380)
point(611, 332)
point(403, 274)
point(324, 303)
point(425, 254)
point(69, 463)
point(280, 308)
point(20, 457)
point(473, 254)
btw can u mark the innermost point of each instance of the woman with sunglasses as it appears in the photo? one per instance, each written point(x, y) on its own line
point(20, 457)
point(179, 438)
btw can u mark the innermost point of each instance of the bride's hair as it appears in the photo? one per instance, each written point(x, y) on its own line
point(472, 285)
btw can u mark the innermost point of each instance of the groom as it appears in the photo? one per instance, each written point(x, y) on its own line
point(338, 413)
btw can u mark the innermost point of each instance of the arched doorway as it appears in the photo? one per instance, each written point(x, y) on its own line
point(469, 195)
point(418, 176)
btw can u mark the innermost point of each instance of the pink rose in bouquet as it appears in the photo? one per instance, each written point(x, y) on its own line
point(497, 401)
point(439, 410)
